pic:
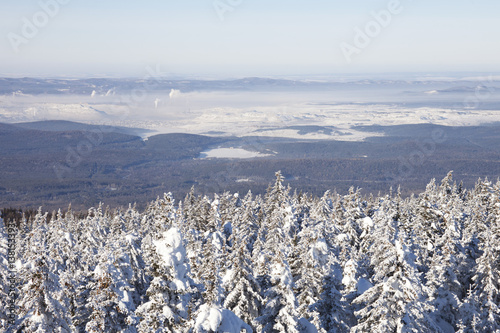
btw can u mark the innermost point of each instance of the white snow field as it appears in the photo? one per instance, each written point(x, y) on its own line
point(230, 153)
point(237, 113)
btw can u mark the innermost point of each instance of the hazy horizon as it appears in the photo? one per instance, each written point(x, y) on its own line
point(452, 76)
point(223, 39)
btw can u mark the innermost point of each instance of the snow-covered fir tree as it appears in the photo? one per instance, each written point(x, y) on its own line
point(272, 263)
point(482, 307)
point(334, 313)
point(41, 298)
point(110, 300)
point(280, 312)
point(5, 270)
point(396, 301)
point(243, 292)
point(168, 295)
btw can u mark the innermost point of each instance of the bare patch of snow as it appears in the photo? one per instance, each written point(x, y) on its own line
point(215, 319)
point(173, 253)
point(243, 180)
point(230, 153)
point(363, 285)
point(367, 222)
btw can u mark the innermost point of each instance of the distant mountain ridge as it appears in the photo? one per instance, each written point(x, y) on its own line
point(64, 125)
point(37, 86)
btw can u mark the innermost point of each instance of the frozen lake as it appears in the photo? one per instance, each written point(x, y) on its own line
point(230, 153)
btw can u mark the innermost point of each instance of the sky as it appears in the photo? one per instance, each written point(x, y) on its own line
point(236, 38)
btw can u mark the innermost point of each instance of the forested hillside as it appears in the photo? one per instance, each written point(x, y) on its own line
point(53, 163)
point(282, 262)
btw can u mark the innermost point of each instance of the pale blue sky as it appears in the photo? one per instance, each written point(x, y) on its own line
point(258, 37)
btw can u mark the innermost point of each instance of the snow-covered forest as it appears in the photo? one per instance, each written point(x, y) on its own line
point(281, 262)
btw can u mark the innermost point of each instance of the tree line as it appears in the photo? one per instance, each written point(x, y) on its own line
point(284, 261)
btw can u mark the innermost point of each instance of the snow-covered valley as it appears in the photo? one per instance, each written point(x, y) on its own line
point(255, 111)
